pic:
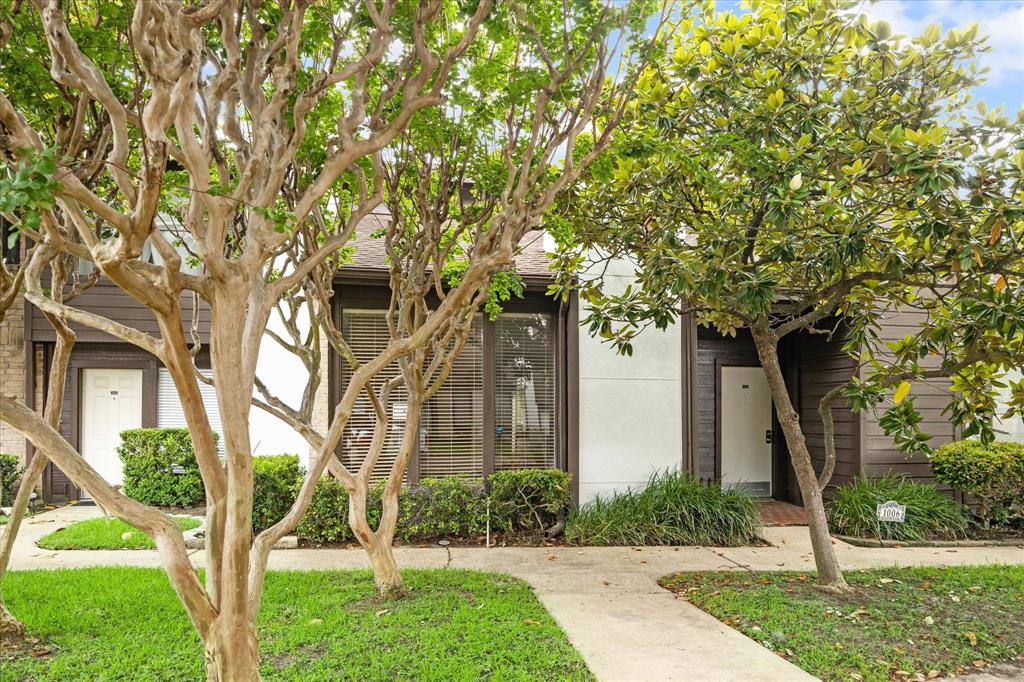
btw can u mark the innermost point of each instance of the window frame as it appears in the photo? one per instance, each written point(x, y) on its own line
point(364, 294)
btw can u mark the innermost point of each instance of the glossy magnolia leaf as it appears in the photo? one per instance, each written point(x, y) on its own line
point(901, 392)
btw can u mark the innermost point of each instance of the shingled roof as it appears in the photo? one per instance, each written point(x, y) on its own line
point(531, 262)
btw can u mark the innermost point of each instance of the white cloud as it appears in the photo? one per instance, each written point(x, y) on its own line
point(1001, 20)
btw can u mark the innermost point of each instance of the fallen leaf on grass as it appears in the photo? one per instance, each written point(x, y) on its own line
point(530, 621)
point(40, 653)
point(932, 674)
point(928, 620)
point(316, 621)
point(381, 612)
point(980, 663)
point(972, 638)
point(886, 581)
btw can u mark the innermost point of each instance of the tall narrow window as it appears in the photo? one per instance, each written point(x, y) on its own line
point(524, 391)
point(451, 429)
point(366, 332)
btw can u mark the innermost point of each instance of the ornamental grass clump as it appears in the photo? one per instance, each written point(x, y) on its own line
point(931, 513)
point(673, 509)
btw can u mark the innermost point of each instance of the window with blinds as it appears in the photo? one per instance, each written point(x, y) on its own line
point(169, 413)
point(524, 391)
point(366, 332)
point(451, 437)
point(451, 428)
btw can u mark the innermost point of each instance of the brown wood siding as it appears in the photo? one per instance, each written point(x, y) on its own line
point(880, 455)
point(714, 350)
point(823, 366)
point(108, 300)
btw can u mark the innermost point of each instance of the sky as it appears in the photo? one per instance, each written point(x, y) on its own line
point(1001, 20)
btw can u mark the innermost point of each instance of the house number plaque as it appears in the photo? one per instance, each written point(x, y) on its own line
point(892, 512)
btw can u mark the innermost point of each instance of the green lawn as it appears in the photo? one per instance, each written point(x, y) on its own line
point(127, 624)
point(896, 624)
point(104, 533)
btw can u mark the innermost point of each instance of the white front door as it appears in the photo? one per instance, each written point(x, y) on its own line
point(111, 403)
point(746, 430)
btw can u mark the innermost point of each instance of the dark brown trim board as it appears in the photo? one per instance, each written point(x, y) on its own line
point(489, 404)
point(688, 386)
point(573, 396)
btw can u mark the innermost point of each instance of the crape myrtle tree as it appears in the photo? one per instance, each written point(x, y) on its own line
point(799, 169)
point(457, 193)
point(261, 131)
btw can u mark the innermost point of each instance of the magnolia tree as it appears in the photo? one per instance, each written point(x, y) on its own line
point(264, 132)
point(798, 169)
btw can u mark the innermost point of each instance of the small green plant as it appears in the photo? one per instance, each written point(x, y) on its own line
point(10, 474)
point(160, 467)
point(529, 499)
point(276, 481)
point(992, 474)
point(931, 513)
point(673, 509)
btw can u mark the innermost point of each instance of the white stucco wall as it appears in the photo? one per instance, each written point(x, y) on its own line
point(630, 422)
point(1013, 428)
point(286, 378)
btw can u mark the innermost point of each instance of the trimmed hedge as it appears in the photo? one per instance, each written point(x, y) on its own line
point(673, 509)
point(326, 520)
point(931, 513)
point(531, 499)
point(992, 474)
point(150, 456)
point(276, 481)
point(10, 474)
point(439, 508)
point(444, 507)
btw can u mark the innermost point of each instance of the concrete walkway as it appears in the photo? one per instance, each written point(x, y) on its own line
point(605, 598)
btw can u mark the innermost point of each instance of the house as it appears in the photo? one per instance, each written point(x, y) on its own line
point(530, 389)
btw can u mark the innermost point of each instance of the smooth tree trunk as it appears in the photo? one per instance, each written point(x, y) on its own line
point(830, 576)
point(232, 651)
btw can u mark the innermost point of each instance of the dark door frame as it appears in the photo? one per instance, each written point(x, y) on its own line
point(73, 393)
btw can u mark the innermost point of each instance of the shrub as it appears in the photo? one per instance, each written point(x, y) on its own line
point(440, 507)
point(326, 519)
point(674, 509)
point(443, 507)
point(529, 499)
point(150, 457)
point(930, 512)
point(993, 474)
point(10, 473)
point(276, 481)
